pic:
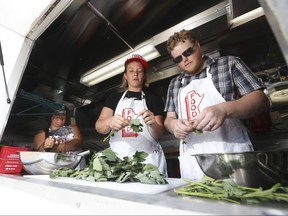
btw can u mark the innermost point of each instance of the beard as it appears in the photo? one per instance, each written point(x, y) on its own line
point(194, 67)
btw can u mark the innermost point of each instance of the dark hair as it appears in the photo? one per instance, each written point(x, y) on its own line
point(64, 110)
point(180, 36)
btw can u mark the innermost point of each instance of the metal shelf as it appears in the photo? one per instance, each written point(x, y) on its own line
point(40, 101)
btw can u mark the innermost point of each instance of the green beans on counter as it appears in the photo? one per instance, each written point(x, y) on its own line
point(227, 190)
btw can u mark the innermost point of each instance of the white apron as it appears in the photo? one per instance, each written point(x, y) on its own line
point(231, 136)
point(126, 142)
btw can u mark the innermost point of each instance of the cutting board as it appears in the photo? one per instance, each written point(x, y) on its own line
point(134, 187)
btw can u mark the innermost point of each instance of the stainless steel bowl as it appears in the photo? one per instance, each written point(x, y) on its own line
point(252, 169)
point(43, 163)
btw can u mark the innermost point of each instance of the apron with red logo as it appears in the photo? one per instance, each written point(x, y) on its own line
point(126, 142)
point(231, 136)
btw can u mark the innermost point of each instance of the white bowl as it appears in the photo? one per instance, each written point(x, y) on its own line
point(43, 163)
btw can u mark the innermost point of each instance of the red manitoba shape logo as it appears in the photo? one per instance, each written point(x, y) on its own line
point(192, 104)
point(129, 114)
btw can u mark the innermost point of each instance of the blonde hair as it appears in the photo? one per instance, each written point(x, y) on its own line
point(180, 36)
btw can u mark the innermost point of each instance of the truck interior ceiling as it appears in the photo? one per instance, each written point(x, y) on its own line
point(91, 33)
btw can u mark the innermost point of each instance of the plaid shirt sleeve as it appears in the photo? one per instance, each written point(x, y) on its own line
point(245, 80)
point(233, 78)
point(171, 104)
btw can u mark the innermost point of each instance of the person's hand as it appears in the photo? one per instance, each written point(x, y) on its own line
point(147, 116)
point(117, 122)
point(49, 142)
point(181, 128)
point(210, 118)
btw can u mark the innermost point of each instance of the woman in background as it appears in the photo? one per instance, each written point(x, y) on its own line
point(58, 137)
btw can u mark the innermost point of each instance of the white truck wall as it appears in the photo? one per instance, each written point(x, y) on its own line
point(16, 50)
point(21, 23)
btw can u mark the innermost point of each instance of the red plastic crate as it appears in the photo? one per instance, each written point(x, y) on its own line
point(10, 159)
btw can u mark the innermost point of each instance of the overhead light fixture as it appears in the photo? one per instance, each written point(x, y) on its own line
point(116, 65)
point(247, 17)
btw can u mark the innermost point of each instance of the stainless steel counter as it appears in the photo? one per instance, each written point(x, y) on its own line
point(22, 195)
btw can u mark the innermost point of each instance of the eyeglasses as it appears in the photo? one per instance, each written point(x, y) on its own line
point(186, 53)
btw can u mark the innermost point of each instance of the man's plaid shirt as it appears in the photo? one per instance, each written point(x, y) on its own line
point(230, 75)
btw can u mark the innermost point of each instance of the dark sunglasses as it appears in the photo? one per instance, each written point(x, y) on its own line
point(186, 53)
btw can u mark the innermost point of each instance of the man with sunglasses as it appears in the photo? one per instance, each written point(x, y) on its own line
point(206, 101)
